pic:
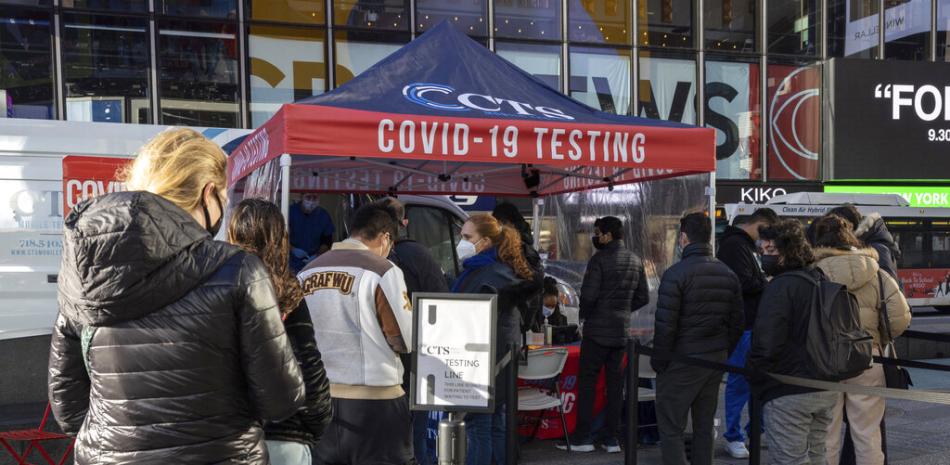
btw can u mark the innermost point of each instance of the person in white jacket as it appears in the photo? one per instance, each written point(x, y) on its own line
point(362, 320)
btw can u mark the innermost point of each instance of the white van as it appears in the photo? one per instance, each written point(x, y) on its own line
point(32, 198)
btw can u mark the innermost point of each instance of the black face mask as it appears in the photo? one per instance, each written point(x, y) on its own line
point(770, 265)
point(595, 240)
point(213, 228)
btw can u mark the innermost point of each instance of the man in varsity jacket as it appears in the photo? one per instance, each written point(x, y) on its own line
point(362, 320)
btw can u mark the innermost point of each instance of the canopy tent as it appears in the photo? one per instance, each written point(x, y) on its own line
point(445, 115)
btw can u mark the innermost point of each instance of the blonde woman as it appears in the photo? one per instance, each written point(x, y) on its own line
point(169, 346)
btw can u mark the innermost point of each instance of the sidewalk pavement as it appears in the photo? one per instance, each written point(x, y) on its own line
point(917, 434)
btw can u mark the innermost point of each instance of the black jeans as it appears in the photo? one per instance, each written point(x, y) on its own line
point(594, 357)
point(365, 432)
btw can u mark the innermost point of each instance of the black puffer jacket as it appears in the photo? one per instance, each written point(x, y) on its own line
point(778, 339)
point(615, 285)
point(306, 426)
point(168, 347)
point(873, 232)
point(531, 313)
point(422, 274)
point(737, 250)
point(699, 307)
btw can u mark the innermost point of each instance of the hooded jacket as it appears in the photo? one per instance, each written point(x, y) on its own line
point(737, 250)
point(168, 347)
point(699, 307)
point(615, 285)
point(858, 270)
point(873, 232)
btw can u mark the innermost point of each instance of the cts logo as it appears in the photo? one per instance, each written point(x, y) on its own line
point(425, 94)
point(929, 101)
point(416, 94)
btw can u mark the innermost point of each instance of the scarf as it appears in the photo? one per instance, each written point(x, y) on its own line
point(480, 260)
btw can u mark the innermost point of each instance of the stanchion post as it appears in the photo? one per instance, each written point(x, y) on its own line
point(511, 408)
point(755, 425)
point(452, 441)
point(633, 403)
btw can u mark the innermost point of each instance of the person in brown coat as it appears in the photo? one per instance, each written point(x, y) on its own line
point(843, 259)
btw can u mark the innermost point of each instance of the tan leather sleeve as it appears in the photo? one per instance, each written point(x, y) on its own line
point(387, 321)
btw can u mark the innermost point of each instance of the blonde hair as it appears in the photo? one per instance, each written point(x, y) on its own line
point(176, 165)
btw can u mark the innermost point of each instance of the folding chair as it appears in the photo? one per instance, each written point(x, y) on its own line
point(543, 365)
point(35, 438)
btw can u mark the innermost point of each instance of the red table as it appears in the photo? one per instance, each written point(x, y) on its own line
point(550, 427)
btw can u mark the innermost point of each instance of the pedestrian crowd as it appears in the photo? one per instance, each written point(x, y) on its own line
point(280, 346)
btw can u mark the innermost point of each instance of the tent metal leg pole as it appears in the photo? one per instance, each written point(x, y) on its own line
point(285, 161)
point(536, 205)
point(711, 192)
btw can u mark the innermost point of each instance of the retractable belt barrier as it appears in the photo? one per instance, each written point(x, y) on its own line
point(935, 397)
point(635, 349)
point(936, 337)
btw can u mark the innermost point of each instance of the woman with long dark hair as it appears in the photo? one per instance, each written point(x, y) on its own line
point(258, 227)
point(493, 263)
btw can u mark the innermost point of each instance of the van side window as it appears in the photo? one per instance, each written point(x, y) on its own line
point(438, 231)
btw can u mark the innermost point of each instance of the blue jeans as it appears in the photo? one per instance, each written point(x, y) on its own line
point(486, 437)
point(288, 453)
point(420, 438)
point(737, 391)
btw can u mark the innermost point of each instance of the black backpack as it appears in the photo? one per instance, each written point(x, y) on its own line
point(837, 346)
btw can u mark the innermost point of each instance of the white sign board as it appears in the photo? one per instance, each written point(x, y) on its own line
point(454, 356)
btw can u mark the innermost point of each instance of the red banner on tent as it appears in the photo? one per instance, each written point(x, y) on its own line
point(391, 139)
point(85, 177)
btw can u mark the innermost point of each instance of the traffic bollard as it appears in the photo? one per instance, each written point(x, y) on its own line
point(755, 427)
point(451, 441)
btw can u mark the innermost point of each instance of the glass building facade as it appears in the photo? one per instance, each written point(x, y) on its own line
point(232, 63)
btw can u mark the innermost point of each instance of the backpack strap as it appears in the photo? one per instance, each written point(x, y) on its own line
point(883, 317)
point(804, 274)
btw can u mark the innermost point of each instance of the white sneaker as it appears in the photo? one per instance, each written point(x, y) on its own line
point(583, 447)
point(737, 450)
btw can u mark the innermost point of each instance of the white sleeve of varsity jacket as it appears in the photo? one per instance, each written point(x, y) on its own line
point(394, 310)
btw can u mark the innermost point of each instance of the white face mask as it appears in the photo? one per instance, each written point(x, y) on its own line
point(465, 249)
point(309, 204)
point(547, 311)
